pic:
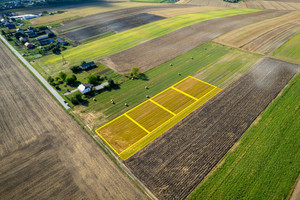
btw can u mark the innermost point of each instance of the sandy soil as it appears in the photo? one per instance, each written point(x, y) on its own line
point(176, 162)
point(44, 153)
point(157, 51)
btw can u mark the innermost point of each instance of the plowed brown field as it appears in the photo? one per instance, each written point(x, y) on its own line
point(157, 51)
point(176, 162)
point(44, 153)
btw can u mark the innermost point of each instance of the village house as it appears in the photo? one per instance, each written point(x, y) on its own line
point(85, 88)
point(29, 45)
point(87, 65)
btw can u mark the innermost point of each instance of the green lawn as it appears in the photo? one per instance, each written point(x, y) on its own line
point(290, 51)
point(133, 92)
point(127, 39)
point(266, 161)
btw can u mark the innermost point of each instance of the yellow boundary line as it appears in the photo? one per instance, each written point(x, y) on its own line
point(184, 93)
point(125, 114)
point(136, 123)
point(162, 107)
point(169, 120)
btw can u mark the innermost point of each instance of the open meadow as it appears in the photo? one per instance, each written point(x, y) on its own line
point(266, 158)
point(290, 51)
point(133, 92)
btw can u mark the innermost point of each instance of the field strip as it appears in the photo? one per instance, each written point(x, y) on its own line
point(203, 82)
point(130, 151)
point(127, 137)
point(184, 93)
point(136, 123)
point(162, 107)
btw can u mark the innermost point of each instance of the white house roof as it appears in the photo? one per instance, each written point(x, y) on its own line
point(82, 87)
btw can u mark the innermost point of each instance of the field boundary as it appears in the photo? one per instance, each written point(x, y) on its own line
point(151, 135)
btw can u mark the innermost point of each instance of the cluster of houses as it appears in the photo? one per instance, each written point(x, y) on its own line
point(20, 4)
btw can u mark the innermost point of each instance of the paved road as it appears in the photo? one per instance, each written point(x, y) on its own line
point(44, 82)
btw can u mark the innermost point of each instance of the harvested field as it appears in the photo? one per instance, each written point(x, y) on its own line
point(116, 26)
point(266, 157)
point(173, 100)
point(116, 43)
point(133, 130)
point(271, 5)
point(264, 36)
point(159, 50)
point(149, 115)
point(100, 18)
point(44, 153)
point(176, 162)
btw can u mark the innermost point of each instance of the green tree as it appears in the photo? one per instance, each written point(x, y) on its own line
point(3, 33)
point(92, 79)
point(62, 75)
point(76, 99)
point(50, 79)
point(75, 69)
point(71, 79)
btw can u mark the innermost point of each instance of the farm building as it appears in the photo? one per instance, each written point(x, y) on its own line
point(101, 86)
point(61, 41)
point(87, 65)
point(10, 26)
point(23, 39)
point(22, 17)
point(85, 88)
point(29, 45)
point(45, 42)
point(42, 37)
point(19, 30)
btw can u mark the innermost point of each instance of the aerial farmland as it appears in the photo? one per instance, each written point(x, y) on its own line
point(150, 99)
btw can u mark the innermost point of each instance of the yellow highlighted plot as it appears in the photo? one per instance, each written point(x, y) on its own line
point(149, 115)
point(173, 100)
point(136, 128)
point(194, 87)
point(119, 133)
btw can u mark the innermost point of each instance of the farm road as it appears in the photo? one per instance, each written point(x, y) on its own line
point(44, 153)
point(162, 49)
point(175, 163)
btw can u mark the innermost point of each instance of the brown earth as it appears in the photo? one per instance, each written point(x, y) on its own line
point(271, 40)
point(159, 50)
point(44, 153)
point(116, 26)
point(259, 4)
point(175, 163)
point(112, 15)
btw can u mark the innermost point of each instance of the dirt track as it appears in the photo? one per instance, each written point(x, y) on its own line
point(43, 152)
point(176, 162)
point(157, 51)
point(117, 25)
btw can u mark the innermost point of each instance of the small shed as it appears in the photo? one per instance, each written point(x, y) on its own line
point(29, 45)
point(23, 39)
point(19, 30)
point(42, 37)
point(101, 86)
point(87, 65)
point(61, 41)
point(85, 88)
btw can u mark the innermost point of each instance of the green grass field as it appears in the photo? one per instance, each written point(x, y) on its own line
point(133, 92)
point(127, 39)
point(266, 161)
point(290, 51)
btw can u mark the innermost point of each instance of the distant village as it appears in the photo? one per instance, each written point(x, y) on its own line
point(21, 4)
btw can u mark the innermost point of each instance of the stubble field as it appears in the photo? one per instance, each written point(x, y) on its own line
point(175, 163)
point(44, 153)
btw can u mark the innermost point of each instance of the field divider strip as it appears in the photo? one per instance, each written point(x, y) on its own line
point(162, 107)
point(184, 93)
point(168, 121)
point(204, 82)
point(137, 123)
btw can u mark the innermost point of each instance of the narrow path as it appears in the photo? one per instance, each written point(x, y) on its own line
point(39, 77)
